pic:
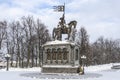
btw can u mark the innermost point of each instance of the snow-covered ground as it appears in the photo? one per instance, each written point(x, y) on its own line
point(99, 72)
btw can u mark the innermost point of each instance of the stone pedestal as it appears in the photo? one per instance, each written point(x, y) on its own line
point(60, 57)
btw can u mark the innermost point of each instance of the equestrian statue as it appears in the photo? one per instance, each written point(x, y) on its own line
point(63, 28)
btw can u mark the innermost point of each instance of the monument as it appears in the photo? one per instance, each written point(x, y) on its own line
point(61, 56)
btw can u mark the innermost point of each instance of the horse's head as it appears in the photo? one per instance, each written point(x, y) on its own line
point(72, 23)
point(75, 23)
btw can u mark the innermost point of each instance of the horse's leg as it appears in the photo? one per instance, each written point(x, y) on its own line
point(68, 32)
point(60, 36)
point(53, 34)
point(68, 36)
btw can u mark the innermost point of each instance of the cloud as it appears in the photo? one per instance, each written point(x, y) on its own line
point(100, 17)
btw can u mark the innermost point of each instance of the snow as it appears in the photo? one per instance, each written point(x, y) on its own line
point(98, 67)
point(59, 42)
point(62, 66)
point(2, 64)
point(3, 50)
point(15, 73)
point(99, 72)
point(23, 69)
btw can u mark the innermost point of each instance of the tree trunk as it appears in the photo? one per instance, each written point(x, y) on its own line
point(32, 57)
point(28, 58)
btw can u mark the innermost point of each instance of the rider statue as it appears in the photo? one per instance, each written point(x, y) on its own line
point(62, 22)
point(63, 28)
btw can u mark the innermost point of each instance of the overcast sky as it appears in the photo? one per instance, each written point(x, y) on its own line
point(99, 17)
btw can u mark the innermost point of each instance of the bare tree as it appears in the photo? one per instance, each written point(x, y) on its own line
point(28, 24)
point(3, 27)
point(24, 40)
point(36, 35)
point(83, 42)
point(105, 51)
point(42, 36)
point(12, 34)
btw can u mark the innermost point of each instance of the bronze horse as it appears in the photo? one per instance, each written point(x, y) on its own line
point(57, 32)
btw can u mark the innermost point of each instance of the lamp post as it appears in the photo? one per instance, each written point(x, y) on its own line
point(7, 57)
point(83, 57)
point(41, 57)
point(36, 60)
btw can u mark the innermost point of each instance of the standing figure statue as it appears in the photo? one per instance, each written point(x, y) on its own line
point(62, 22)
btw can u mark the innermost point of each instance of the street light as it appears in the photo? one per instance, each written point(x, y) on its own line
point(83, 57)
point(7, 57)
